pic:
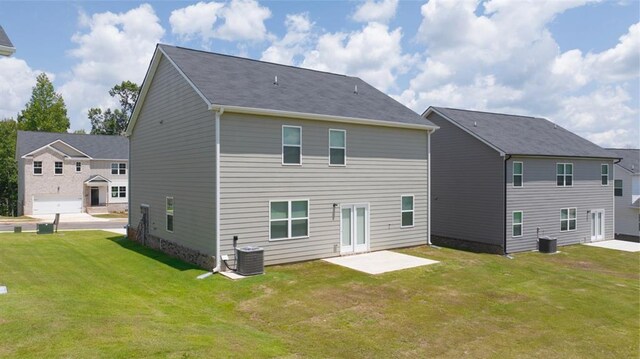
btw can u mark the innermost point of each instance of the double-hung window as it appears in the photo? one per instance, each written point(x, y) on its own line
point(568, 219)
point(78, 166)
point(617, 188)
point(169, 214)
point(119, 191)
point(288, 219)
point(564, 174)
point(516, 224)
point(58, 168)
point(118, 168)
point(407, 211)
point(517, 174)
point(604, 174)
point(337, 147)
point(37, 167)
point(291, 145)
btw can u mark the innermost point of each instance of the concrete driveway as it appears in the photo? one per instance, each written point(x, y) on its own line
point(69, 218)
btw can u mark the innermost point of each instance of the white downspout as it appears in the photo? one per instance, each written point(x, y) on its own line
point(429, 188)
point(218, 113)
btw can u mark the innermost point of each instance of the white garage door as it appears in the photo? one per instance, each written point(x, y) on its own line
point(53, 203)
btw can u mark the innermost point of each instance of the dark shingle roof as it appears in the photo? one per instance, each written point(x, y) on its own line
point(4, 39)
point(235, 81)
point(96, 146)
point(630, 158)
point(523, 135)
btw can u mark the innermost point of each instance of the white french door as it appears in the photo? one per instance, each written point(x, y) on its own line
point(354, 228)
point(597, 225)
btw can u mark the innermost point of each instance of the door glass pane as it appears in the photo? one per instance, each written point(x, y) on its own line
point(279, 210)
point(593, 224)
point(346, 226)
point(600, 223)
point(299, 209)
point(299, 228)
point(291, 136)
point(279, 229)
point(361, 225)
point(336, 139)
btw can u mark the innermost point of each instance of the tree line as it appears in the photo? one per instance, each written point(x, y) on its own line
point(46, 111)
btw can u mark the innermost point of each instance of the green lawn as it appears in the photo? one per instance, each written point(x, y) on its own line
point(111, 215)
point(93, 294)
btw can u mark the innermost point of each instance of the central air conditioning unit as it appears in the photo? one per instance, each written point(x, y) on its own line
point(250, 261)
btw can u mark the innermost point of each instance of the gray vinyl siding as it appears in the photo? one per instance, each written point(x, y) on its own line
point(626, 216)
point(467, 186)
point(541, 200)
point(21, 180)
point(172, 153)
point(383, 163)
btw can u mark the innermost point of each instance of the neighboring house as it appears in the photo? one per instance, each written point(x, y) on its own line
point(6, 47)
point(305, 164)
point(500, 181)
point(71, 173)
point(627, 193)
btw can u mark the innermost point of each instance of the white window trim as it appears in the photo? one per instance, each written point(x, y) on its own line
point(34, 168)
point(119, 163)
point(118, 191)
point(513, 224)
point(289, 219)
point(338, 148)
point(602, 175)
point(282, 146)
point(167, 214)
point(569, 219)
point(76, 164)
point(413, 211)
point(565, 174)
point(513, 175)
point(54, 168)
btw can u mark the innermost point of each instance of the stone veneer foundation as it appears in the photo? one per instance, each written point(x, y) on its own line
point(174, 250)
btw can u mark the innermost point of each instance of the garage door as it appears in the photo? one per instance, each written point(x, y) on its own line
point(49, 204)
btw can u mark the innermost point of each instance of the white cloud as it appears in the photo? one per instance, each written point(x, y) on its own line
point(501, 56)
point(376, 11)
point(296, 41)
point(237, 20)
point(17, 79)
point(111, 48)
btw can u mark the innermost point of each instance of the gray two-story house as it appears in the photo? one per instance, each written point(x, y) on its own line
point(71, 173)
point(626, 185)
point(305, 164)
point(500, 181)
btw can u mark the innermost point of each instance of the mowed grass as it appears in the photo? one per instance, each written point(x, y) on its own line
point(94, 294)
point(111, 215)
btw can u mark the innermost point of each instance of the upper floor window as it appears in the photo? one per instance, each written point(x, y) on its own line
point(337, 147)
point(517, 174)
point(407, 211)
point(78, 166)
point(288, 219)
point(604, 174)
point(617, 188)
point(568, 219)
point(169, 214)
point(291, 145)
point(57, 169)
point(564, 174)
point(37, 167)
point(119, 191)
point(118, 168)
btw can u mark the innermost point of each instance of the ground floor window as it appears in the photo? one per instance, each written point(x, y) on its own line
point(119, 192)
point(288, 219)
point(516, 224)
point(407, 211)
point(568, 219)
point(169, 213)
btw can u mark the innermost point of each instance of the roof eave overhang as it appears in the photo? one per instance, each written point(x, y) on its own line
point(565, 156)
point(97, 178)
point(319, 117)
point(7, 50)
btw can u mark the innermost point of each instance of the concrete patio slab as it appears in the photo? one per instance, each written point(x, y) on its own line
point(380, 262)
point(617, 245)
point(68, 217)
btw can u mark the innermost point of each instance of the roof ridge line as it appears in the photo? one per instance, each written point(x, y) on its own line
point(495, 113)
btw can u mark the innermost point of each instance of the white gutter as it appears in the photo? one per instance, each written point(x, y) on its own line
point(218, 114)
point(7, 50)
point(320, 117)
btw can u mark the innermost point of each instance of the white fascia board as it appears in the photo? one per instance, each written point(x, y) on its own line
point(68, 145)
point(7, 50)
point(318, 117)
point(433, 110)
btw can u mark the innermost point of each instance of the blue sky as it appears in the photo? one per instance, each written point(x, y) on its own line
point(576, 62)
